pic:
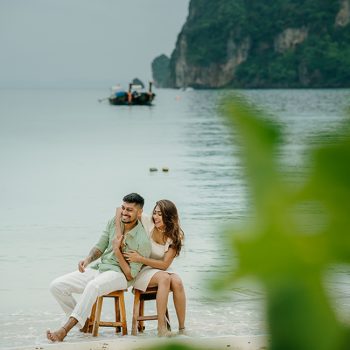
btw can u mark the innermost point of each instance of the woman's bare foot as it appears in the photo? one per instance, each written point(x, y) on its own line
point(56, 336)
point(164, 332)
point(183, 331)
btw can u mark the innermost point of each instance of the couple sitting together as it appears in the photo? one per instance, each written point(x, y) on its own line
point(134, 250)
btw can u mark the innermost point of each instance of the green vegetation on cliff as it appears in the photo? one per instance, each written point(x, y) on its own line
point(161, 71)
point(209, 27)
point(263, 43)
point(322, 59)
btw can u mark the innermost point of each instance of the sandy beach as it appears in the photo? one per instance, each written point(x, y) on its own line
point(134, 343)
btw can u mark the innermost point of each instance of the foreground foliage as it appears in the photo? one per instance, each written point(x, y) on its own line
point(300, 229)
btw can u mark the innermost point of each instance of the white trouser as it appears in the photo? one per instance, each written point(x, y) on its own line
point(90, 284)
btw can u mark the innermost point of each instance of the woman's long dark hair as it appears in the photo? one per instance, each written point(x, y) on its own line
point(172, 223)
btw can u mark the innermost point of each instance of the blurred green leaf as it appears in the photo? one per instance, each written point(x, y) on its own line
point(298, 230)
point(174, 346)
point(286, 246)
point(171, 345)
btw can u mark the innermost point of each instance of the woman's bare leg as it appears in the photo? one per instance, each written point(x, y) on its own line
point(162, 280)
point(179, 296)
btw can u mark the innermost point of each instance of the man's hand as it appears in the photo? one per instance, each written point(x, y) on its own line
point(132, 256)
point(94, 254)
point(82, 265)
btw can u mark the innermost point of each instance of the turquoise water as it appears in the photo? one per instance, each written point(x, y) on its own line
point(67, 160)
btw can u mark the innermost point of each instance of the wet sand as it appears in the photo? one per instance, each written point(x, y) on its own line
point(138, 343)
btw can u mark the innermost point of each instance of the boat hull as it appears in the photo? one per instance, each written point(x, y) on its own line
point(143, 98)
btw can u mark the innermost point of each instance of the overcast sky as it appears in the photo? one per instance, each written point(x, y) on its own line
point(85, 43)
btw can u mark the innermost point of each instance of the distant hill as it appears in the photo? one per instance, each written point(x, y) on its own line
point(260, 44)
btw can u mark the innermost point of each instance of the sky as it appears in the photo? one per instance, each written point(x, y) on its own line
point(85, 43)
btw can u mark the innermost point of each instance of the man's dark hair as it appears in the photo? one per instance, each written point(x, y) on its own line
point(134, 198)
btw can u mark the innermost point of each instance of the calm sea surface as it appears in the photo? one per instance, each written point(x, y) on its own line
point(67, 160)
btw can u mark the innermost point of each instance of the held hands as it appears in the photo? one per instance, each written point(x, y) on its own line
point(132, 256)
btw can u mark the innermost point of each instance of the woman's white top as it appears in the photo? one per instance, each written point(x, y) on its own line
point(158, 251)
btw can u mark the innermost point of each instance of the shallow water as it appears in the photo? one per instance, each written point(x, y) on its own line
point(67, 160)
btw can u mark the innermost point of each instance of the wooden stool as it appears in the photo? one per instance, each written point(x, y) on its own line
point(120, 315)
point(138, 316)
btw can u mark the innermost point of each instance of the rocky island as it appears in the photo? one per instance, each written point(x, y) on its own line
point(260, 44)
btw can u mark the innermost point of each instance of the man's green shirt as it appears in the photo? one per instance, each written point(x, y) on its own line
point(136, 239)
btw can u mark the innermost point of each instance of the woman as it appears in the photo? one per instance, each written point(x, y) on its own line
point(166, 238)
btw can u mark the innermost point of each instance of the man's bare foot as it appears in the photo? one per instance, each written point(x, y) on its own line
point(57, 336)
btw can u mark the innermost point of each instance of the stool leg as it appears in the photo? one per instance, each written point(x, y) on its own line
point(117, 313)
point(91, 319)
point(135, 313)
point(167, 318)
point(122, 316)
point(140, 325)
point(97, 317)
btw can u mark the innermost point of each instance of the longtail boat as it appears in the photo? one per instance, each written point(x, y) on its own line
point(134, 96)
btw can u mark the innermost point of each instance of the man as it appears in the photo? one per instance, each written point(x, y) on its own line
point(112, 273)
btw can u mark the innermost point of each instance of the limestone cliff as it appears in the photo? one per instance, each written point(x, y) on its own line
point(262, 43)
point(343, 16)
point(161, 71)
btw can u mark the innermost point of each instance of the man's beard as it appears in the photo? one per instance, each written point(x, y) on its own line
point(128, 221)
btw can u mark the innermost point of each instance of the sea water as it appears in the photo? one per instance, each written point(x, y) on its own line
point(67, 160)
